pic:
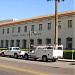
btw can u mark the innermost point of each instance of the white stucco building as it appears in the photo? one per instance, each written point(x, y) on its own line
point(16, 33)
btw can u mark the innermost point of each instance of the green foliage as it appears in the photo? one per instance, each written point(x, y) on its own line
point(68, 54)
point(3, 48)
point(6, 48)
point(69, 50)
point(24, 49)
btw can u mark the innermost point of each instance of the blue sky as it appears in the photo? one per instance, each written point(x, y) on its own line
point(21, 9)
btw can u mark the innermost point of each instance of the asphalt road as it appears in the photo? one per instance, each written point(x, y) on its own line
point(11, 66)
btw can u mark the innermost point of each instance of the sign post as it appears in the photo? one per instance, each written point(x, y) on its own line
point(72, 54)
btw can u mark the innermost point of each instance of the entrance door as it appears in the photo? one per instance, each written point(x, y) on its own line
point(17, 43)
point(24, 43)
point(69, 43)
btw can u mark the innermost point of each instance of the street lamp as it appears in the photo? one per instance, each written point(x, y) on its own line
point(30, 32)
point(56, 21)
point(29, 40)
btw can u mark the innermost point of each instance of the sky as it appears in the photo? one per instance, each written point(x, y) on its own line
point(21, 9)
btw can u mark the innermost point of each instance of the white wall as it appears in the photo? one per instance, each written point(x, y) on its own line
point(64, 32)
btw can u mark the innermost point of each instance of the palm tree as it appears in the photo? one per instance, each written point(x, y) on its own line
point(56, 21)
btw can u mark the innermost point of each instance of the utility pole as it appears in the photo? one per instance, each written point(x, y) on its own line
point(56, 21)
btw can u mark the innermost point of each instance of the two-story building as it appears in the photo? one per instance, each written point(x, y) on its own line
point(16, 33)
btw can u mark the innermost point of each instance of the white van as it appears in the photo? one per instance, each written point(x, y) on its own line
point(45, 52)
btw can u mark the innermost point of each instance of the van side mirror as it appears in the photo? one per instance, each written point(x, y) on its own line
point(30, 50)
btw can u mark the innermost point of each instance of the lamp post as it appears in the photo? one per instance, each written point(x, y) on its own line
point(30, 33)
point(56, 21)
point(72, 54)
point(29, 40)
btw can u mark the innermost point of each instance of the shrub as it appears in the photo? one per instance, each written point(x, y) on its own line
point(68, 54)
point(6, 48)
point(3, 48)
point(24, 49)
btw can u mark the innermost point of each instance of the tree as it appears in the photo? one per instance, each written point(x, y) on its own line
point(56, 21)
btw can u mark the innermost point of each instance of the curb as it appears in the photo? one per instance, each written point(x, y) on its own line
point(66, 60)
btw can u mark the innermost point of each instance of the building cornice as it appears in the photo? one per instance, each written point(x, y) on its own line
point(60, 14)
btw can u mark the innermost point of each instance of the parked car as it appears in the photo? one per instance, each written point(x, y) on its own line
point(13, 51)
point(1, 52)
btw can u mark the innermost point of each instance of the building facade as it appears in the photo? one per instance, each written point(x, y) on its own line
point(16, 33)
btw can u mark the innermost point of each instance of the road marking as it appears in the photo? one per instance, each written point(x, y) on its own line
point(23, 70)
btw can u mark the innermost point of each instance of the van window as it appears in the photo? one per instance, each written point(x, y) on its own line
point(33, 48)
point(15, 48)
point(40, 48)
point(49, 47)
point(59, 48)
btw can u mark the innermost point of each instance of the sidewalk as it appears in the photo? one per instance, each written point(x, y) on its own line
point(66, 60)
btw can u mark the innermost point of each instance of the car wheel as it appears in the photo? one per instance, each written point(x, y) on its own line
point(26, 57)
point(35, 59)
point(16, 55)
point(44, 59)
point(2, 54)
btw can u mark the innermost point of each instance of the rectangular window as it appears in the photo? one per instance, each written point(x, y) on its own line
point(39, 41)
point(32, 28)
point(6, 43)
point(3, 31)
point(48, 41)
point(2, 43)
point(32, 41)
point(40, 27)
point(69, 43)
point(59, 24)
point(13, 29)
point(19, 29)
point(49, 26)
point(12, 43)
point(7, 30)
point(69, 23)
point(24, 42)
point(25, 28)
point(59, 41)
point(18, 43)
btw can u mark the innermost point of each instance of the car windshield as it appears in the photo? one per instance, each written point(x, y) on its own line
point(33, 48)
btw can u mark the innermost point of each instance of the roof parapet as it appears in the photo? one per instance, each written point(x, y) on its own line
point(36, 18)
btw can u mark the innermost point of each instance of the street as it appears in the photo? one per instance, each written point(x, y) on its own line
point(11, 66)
